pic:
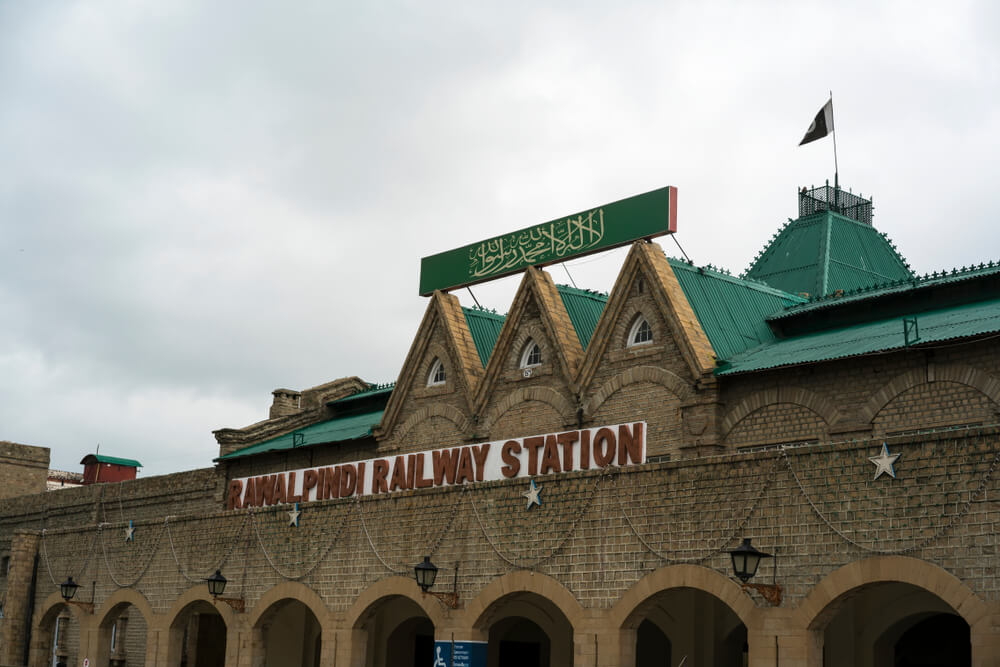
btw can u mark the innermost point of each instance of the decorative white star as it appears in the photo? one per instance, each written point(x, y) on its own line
point(532, 495)
point(883, 462)
point(129, 532)
point(293, 516)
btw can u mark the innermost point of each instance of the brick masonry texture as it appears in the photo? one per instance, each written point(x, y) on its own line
point(781, 456)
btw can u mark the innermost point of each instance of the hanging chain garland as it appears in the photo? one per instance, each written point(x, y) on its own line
point(173, 550)
point(107, 564)
point(942, 529)
point(316, 562)
point(717, 548)
point(83, 568)
point(583, 509)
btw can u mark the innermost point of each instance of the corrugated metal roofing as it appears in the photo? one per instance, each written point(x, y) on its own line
point(732, 311)
point(101, 458)
point(897, 287)
point(485, 329)
point(374, 390)
point(330, 431)
point(938, 325)
point(584, 308)
point(824, 252)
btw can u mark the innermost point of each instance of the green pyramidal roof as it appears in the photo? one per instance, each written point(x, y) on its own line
point(821, 253)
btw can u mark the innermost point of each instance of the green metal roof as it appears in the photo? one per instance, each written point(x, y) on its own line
point(372, 390)
point(877, 336)
point(732, 311)
point(101, 458)
point(824, 252)
point(484, 325)
point(584, 308)
point(332, 430)
point(927, 281)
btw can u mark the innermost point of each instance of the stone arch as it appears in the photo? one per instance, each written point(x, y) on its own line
point(628, 317)
point(537, 334)
point(124, 596)
point(623, 613)
point(174, 630)
point(198, 592)
point(542, 394)
point(821, 604)
point(820, 405)
point(44, 622)
point(392, 587)
point(523, 581)
point(987, 384)
point(295, 591)
point(670, 381)
point(449, 412)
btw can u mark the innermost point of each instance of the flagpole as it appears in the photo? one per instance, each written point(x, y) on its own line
point(836, 169)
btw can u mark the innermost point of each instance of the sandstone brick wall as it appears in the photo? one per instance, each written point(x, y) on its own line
point(817, 507)
point(23, 469)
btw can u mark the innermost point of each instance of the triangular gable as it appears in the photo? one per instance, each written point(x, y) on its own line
point(536, 287)
point(648, 260)
point(445, 312)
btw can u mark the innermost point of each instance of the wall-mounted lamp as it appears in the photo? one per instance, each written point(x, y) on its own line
point(746, 559)
point(426, 574)
point(217, 586)
point(68, 589)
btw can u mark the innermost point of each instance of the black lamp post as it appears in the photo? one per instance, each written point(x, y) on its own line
point(217, 586)
point(426, 574)
point(68, 589)
point(746, 559)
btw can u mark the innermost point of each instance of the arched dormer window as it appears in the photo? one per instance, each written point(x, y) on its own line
point(532, 355)
point(640, 333)
point(437, 375)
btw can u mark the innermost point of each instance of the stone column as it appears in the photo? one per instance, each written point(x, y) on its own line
point(17, 609)
point(985, 638)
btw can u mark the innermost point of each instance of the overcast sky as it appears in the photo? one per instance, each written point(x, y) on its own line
point(203, 201)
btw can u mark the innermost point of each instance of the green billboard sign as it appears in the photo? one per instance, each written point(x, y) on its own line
point(600, 228)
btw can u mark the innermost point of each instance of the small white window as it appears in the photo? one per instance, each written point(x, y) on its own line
point(532, 355)
point(437, 375)
point(641, 332)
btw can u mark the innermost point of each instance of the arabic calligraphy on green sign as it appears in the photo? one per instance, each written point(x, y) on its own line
point(600, 228)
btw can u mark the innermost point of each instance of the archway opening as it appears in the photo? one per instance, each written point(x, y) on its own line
point(690, 626)
point(291, 635)
point(941, 640)
point(527, 630)
point(198, 637)
point(121, 640)
point(399, 634)
point(655, 646)
point(893, 624)
point(56, 640)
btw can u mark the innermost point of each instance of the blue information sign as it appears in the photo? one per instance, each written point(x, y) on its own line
point(466, 654)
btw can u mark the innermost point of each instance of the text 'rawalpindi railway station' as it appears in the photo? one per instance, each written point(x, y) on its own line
point(794, 466)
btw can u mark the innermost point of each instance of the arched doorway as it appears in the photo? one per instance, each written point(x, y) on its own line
point(893, 624)
point(398, 633)
point(692, 626)
point(527, 630)
point(290, 635)
point(121, 637)
point(56, 640)
point(197, 636)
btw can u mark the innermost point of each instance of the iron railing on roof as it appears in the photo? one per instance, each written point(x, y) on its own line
point(827, 198)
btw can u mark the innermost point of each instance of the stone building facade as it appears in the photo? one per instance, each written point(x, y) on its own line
point(828, 404)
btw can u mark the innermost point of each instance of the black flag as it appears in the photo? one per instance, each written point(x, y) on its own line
point(821, 126)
